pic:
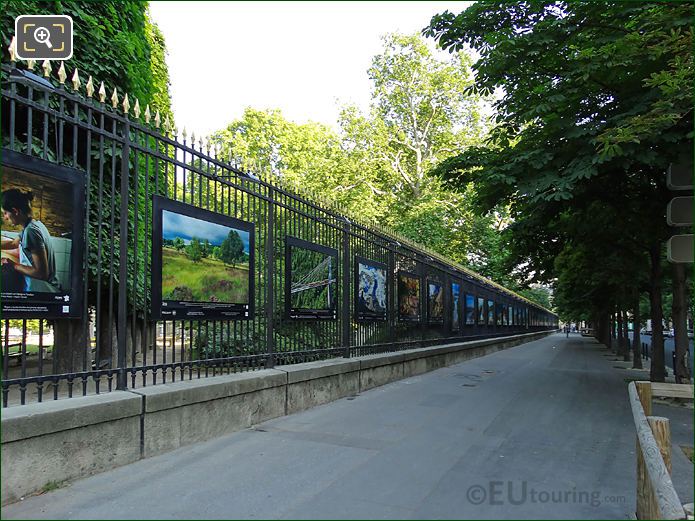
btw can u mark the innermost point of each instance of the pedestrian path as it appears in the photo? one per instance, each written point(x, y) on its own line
point(542, 430)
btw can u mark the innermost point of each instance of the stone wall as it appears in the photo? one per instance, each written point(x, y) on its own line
point(55, 441)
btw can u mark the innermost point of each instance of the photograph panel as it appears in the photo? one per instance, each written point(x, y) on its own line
point(312, 272)
point(455, 304)
point(371, 294)
point(42, 238)
point(204, 263)
point(470, 310)
point(481, 311)
point(408, 297)
point(435, 302)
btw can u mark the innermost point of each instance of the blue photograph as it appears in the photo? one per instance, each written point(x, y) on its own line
point(455, 298)
point(371, 290)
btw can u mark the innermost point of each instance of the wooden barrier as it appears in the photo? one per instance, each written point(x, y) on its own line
point(663, 390)
point(656, 496)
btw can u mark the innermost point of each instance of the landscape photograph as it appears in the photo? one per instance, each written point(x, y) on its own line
point(203, 261)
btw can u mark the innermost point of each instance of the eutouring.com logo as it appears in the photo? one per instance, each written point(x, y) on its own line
point(520, 493)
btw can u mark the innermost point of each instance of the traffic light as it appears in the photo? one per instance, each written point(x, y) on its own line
point(680, 210)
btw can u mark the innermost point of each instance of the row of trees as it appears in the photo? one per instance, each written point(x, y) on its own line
point(230, 251)
point(595, 101)
point(377, 164)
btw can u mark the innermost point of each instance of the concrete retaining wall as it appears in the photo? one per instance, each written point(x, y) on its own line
point(51, 442)
point(55, 441)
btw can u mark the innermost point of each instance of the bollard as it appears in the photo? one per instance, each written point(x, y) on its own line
point(674, 361)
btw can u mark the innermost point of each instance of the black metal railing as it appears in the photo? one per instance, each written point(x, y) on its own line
point(114, 342)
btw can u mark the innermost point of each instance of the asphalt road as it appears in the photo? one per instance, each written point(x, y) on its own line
point(543, 430)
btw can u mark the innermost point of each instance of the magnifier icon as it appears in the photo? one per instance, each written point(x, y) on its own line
point(42, 35)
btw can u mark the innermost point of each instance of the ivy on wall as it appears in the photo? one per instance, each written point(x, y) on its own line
point(114, 41)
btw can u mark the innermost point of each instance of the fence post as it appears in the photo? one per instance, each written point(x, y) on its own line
point(391, 303)
point(270, 280)
point(662, 434)
point(345, 309)
point(422, 275)
point(644, 391)
point(121, 382)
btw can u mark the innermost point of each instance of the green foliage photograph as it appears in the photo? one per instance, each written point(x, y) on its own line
point(312, 279)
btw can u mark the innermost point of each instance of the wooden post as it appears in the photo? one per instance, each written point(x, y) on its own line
point(656, 495)
point(662, 434)
point(644, 391)
point(645, 496)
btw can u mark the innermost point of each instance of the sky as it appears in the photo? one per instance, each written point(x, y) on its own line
point(301, 57)
point(178, 225)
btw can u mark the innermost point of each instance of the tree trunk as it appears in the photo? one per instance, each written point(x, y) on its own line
point(604, 329)
point(620, 344)
point(680, 323)
point(626, 339)
point(614, 332)
point(658, 371)
point(599, 332)
point(636, 339)
point(70, 346)
point(134, 339)
point(106, 345)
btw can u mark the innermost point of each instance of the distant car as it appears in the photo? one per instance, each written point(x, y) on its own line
point(690, 334)
point(670, 333)
point(644, 331)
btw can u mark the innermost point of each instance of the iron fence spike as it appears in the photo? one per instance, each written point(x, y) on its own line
point(13, 49)
point(76, 83)
point(126, 104)
point(114, 98)
point(90, 87)
point(62, 75)
point(102, 93)
point(46, 66)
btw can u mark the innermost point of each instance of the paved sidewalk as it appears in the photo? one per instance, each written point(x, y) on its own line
point(543, 430)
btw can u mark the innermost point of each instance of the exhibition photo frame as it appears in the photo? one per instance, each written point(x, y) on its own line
point(58, 229)
point(219, 276)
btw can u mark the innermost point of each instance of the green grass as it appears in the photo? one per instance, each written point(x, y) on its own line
point(205, 279)
point(51, 485)
point(32, 349)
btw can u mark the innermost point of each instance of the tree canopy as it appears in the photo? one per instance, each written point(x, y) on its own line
point(594, 102)
point(376, 165)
